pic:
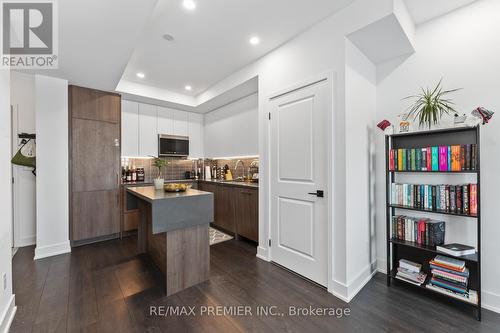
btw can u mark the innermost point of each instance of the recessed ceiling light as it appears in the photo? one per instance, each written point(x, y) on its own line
point(189, 4)
point(168, 37)
point(188, 88)
point(255, 40)
point(141, 75)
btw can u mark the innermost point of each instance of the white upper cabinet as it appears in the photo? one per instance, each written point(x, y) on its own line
point(195, 133)
point(233, 130)
point(180, 123)
point(165, 121)
point(148, 130)
point(141, 124)
point(130, 128)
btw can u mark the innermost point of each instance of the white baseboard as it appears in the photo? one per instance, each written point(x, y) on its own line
point(52, 250)
point(355, 286)
point(262, 253)
point(339, 290)
point(490, 301)
point(8, 315)
point(347, 292)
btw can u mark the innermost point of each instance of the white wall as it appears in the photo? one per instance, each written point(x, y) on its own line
point(360, 86)
point(463, 49)
point(318, 50)
point(24, 196)
point(7, 302)
point(52, 181)
point(233, 130)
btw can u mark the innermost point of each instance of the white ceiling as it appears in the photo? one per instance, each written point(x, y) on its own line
point(97, 38)
point(422, 11)
point(212, 41)
point(103, 44)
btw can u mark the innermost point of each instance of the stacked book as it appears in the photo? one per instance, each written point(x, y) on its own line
point(410, 272)
point(422, 231)
point(437, 158)
point(456, 249)
point(450, 277)
point(460, 199)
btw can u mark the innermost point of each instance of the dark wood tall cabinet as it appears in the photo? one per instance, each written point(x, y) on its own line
point(95, 118)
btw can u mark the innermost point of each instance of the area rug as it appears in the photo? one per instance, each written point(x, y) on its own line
point(217, 236)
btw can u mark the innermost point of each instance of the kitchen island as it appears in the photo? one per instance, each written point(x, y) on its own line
point(173, 230)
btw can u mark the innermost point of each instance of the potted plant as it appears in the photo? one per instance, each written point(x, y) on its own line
point(159, 181)
point(431, 105)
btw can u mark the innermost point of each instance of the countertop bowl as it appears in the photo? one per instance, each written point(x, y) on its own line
point(175, 187)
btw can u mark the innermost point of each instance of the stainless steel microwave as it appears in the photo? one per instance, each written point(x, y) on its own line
point(173, 145)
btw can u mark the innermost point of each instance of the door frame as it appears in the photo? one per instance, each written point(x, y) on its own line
point(330, 79)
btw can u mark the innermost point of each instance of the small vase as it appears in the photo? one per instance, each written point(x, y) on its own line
point(159, 182)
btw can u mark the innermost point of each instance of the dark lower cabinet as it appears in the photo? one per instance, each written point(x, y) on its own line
point(247, 213)
point(236, 209)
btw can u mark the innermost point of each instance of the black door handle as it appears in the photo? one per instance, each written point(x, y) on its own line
point(318, 193)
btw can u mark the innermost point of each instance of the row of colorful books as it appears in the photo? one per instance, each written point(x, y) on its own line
point(437, 158)
point(422, 231)
point(460, 199)
point(451, 277)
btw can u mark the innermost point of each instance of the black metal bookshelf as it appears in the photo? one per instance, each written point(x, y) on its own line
point(400, 249)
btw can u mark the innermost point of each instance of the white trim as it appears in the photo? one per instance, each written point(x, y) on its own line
point(52, 250)
point(360, 281)
point(347, 292)
point(490, 301)
point(329, 78)
point(262, 253)
point(8, 315)
point(339, 290)
point(382, 266)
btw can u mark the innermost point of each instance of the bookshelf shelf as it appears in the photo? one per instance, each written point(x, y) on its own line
point(432, 211)
point(401, 249)
point(423, 287)
point(470, 258)
point(438, 172)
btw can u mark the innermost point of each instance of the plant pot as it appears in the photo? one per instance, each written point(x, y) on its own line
point(159, 182)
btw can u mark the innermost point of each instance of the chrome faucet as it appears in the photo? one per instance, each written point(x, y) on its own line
point(236, 167)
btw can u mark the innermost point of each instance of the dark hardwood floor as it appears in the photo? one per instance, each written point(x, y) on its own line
point(107, 287)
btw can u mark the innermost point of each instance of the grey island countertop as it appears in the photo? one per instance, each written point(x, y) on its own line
point(149, 193)
point(172, 210)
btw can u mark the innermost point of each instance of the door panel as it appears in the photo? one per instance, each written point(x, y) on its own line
point(296, 226)
point(299, 167)
point(96, 158)
point(180, 123)
point(95, 214)
point(247, 213)
point(148, 127)
point(95, 105)
point(165, 121)
point(130, 128)
point(224, 203)
point(295, 149)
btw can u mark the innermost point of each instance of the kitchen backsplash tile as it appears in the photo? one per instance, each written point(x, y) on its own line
point(176, 168)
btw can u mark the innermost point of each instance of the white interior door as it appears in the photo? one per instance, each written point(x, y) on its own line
point(299, 169)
